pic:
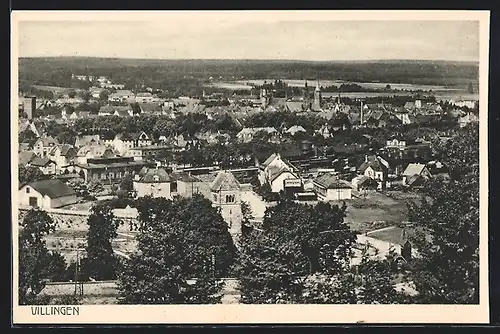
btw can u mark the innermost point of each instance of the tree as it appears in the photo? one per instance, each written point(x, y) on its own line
point(56, 267)
point(296, 241)
point(33, 254)
point(103, 96)
point(127, 184)
point(184, 247)
point(30, 174)
point(71, 94)
point(447, 268)
point(101, 262)
point(28, 136)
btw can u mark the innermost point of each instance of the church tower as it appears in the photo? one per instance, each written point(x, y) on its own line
point(306, 98)
point(264, 97)
point(317, 104)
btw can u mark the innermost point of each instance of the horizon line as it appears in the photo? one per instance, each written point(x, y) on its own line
point(258, 59)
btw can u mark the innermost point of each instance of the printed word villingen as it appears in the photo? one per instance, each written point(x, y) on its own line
point(55, 310)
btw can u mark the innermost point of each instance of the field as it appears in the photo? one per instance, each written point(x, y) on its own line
point(376, 211)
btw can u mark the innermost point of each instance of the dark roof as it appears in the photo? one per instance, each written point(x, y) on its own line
point(52, 188)
point(330, 181)
point(149, 107)
point(40, 162)
point(25, 157)
point(155, 175)
point(374, 162)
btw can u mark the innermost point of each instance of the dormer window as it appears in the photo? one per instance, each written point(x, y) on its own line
point(156, 178)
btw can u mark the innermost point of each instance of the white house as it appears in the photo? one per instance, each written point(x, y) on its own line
point(247, 134)
point(44, 145)
point(413, 170)
point(329, 187)
point(277, 171)
point(122, 96)
point(46, 194)
point(62, 155)
point(154, 182)
point(375, 167)
point(46, 165)
point(295, 129)
point(395, 143)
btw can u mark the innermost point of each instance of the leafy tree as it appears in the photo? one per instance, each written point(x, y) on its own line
point(103, 96)
point(127, 184)
point(30, 174)
point(447, 268)
point(184, 248)
point(101, 262)
point(56, 267)
point(297, 241)
point(71, 94)
point(33, 254)
point(28, 136)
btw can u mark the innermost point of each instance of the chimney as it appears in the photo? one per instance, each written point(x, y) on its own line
point(366, 158)
point(136, 177)
point(256, 162)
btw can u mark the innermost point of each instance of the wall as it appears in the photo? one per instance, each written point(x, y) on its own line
point(230, 211)
point(339, 194)
point(278, 184)
point(24, 197)
point(153, 189)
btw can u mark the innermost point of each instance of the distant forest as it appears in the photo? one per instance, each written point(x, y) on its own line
point(170, 74)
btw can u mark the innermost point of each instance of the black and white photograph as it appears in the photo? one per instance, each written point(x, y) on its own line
point(240, 166)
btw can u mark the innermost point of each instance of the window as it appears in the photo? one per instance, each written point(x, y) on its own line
point(33, 201)
point(27, 190)
point(230, 198)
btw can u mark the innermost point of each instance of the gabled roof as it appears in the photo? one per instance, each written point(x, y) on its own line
point(375, 162)
point(25, 157)
point(225, 181)
point(150, 107)
point(276, 172)
point(40, 162)
point(296, 128)
point(413, 169)
point(48, 141)
point(365, 181)
point(122, 113)
point(330, 181)
point(86, 140)
point(155, 175)
point(64, 148)
point(52, 188)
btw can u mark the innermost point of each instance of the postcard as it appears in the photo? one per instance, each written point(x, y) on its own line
point(236, 167)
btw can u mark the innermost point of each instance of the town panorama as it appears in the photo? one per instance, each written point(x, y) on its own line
point(254, 182)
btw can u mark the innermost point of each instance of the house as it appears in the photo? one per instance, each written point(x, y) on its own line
point(279, 173)
point(375, 167)
point(122, 96)
point(25, 157)
point(394, 142)
point(123, 142)
point(93, 151)
point(123, 111)
point(329, 187)
point(62, 155)
point(106, 110)
point(469, 117)
point(144, 97)
point(44, 145)
point(295, 129)
point(364, 184)
point(86, 140)
point(149, 152)
point(247, 134)
point(324, 131)
point(30, 126)
point(413, 170)
point(147, 107)
point(107, 168)
point(46, 194)
point(225, 190)
point(95, 92)
point(154, 182)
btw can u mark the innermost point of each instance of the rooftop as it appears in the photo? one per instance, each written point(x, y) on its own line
point(331, 181)
point(52, 188)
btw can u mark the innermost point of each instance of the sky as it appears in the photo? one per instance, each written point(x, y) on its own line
point(195, 36)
